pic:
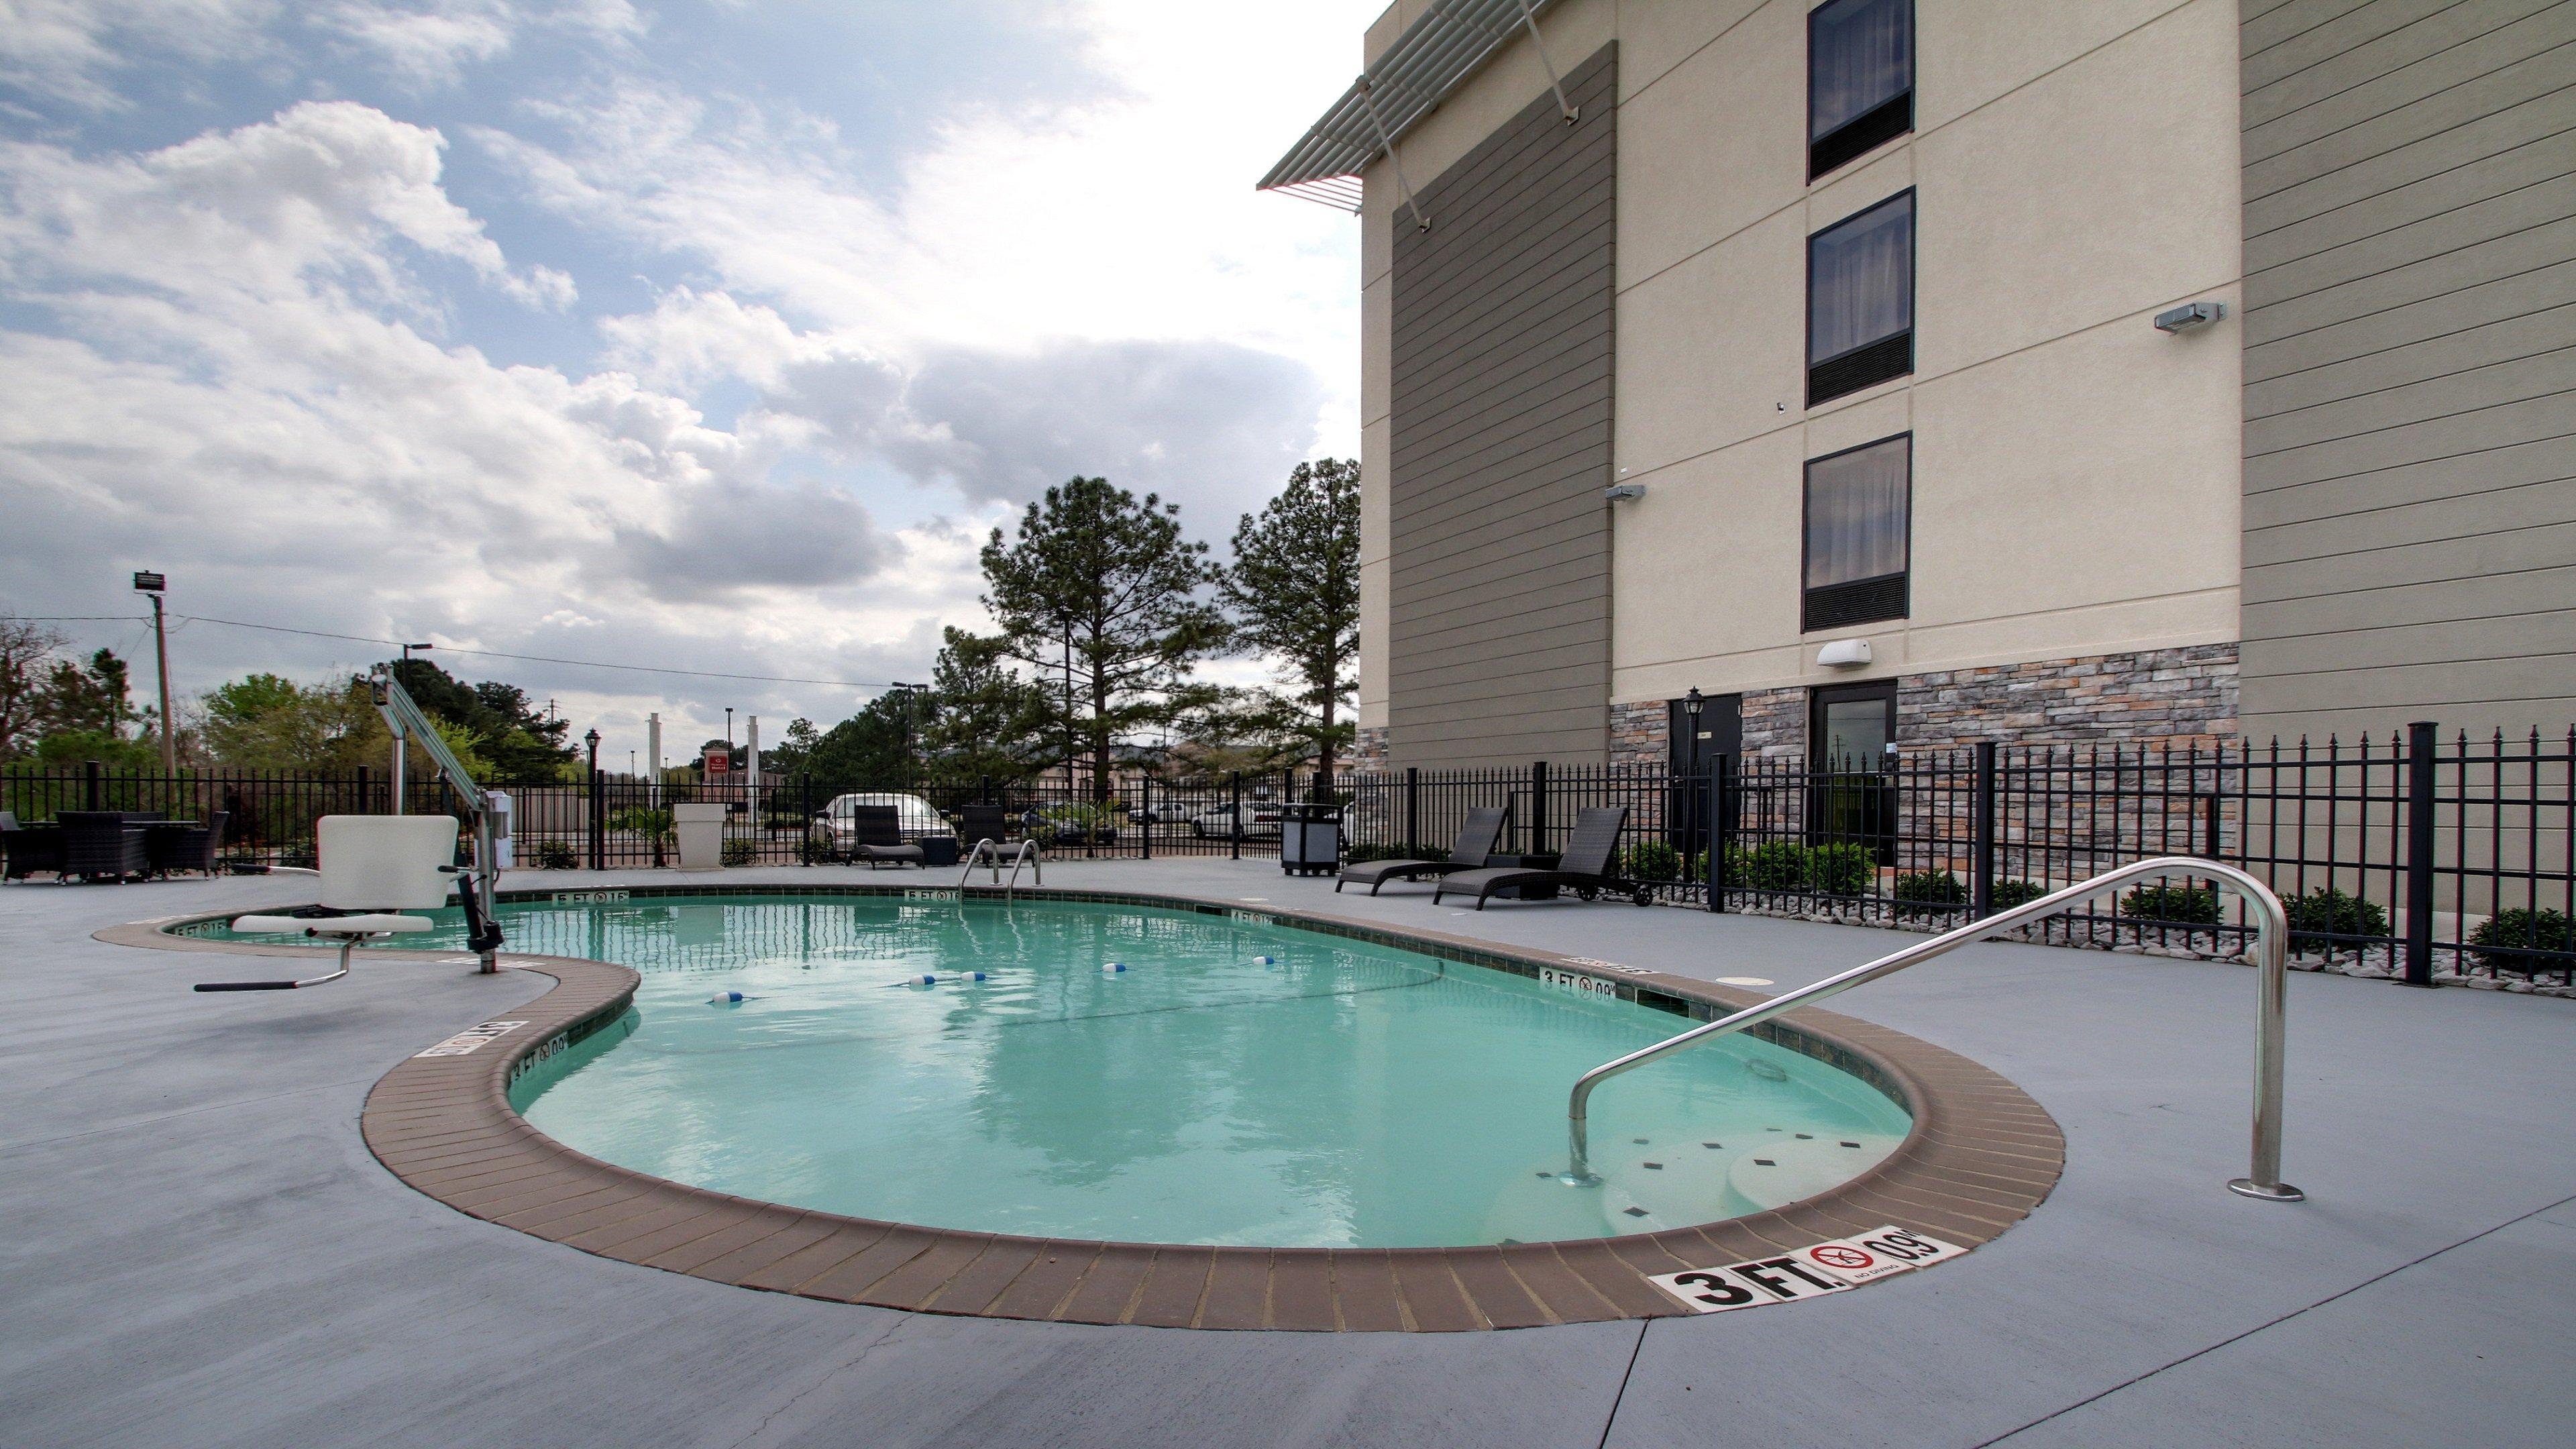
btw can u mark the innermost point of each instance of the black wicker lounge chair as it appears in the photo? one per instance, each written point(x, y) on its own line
point(103, 843)
point(25, 849)
point(186, 847)
point(1475, 845)
point(979, 823)
point(1584, 868)
point(877, 837)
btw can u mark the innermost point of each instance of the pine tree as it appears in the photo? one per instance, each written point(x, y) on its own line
point(1294, 591)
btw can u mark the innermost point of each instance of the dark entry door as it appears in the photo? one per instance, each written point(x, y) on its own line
point(1695, 746)
point(1850, 760)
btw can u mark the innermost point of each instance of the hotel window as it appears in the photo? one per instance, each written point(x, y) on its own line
point(1860, 79)
point(1860, 300)
point(1858, 501)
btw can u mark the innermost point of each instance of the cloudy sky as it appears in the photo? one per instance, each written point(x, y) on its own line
point(710, 334)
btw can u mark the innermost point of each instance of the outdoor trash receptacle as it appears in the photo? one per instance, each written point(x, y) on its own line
point(700, 827)
point(1310, 839)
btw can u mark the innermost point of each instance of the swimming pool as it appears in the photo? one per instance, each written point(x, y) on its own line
point(1239, 1081)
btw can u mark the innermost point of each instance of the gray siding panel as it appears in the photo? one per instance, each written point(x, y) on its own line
point(2410, 393)
point(1498, 648)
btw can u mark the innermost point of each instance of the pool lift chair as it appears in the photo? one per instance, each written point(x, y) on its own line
point(375, 866)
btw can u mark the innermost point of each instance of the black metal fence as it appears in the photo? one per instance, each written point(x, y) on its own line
point(2413, 856)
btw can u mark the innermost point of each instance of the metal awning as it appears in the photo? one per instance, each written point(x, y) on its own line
point(1403, 85)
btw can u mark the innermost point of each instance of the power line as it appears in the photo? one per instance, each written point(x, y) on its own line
point(449, 649)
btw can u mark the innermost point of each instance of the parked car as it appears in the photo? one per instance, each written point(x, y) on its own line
point(833, 833)
point(1260, 820)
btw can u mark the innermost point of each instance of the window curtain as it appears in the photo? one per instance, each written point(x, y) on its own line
point(1856, 507)
point(1860, 55)
point(1860, 280)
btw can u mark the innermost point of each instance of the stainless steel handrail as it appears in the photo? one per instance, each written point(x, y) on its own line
point(2271, 960)
point(989, 852)
point(1028, 854)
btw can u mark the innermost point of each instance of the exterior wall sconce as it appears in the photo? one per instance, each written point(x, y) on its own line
point(1844, 654)
point(1623, 492)
point(2190, 315)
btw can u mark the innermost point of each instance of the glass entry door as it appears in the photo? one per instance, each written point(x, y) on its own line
point(1851, 762)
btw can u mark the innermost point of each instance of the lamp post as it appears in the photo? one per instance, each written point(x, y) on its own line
point(398, 739)
point(910, 693)
point(598, 815)
point(1692, 704)
point(151, 586)
point(728, 727)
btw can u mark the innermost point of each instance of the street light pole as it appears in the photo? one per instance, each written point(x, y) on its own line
point(151, 585)
point(398, 739)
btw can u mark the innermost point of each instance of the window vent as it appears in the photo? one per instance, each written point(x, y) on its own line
point(1862, 601)
point(1860, 136)
point(1861, 367)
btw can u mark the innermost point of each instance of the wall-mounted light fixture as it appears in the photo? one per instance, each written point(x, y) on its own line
point(1844, 654)
point(1623, 492)
point(2189, 315)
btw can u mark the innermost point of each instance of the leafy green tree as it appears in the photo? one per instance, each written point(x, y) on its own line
point(1294, 591)
point(515, 739)
point(87, 699)
point(1101, 592)
point(875, 749)
point(985, 720)
point(26, 650)
point(269, 722)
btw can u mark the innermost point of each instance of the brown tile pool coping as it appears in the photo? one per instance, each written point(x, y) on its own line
point(1980, 1157)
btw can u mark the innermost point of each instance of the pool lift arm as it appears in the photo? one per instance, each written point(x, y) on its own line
point(477, 888)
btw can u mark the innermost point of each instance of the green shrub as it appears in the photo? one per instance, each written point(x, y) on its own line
point(1927, 891)
point(2011, 893)
point(637, 820)
point(2541, 930)
point(813, 852)
point(2185, 905)
point(1778, 866)
point(1650, 860)
point(1841, 870)
point(2326, 912)
point(555, 855)
point(741, 852)
point(1785, 865)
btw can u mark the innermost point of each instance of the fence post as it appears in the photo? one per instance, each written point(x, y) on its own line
point(93, 789)
point(1234, 814)
point(983, 789)
point(597, 823)
point(1538, 807)
point(1145, 790)
point(1981, 836)
point(2420, 745)
point(1721, 827)
point(366, 793)
point(1412, 810)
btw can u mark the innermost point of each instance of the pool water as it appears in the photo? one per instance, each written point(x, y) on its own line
point(1239, 1082)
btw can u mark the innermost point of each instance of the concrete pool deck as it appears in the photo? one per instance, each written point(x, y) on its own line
point(204, 1252)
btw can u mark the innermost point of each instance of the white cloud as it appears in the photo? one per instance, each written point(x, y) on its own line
point(429, 43)
point(226, 394)
point(256, 213)
point(251, 361)
point(69, 50)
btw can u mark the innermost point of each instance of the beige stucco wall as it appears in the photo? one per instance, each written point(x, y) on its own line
point(2076, 476)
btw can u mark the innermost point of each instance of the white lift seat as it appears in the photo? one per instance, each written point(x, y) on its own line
point(375, 866)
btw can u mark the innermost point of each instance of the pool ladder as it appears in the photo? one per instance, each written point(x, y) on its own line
point(989, 853)
point(2271, 961)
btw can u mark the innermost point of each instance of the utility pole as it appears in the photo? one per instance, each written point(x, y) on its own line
point(151, 585)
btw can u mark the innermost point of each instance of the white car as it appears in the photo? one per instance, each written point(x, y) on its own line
point(835, 829)
point(1260, 821)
